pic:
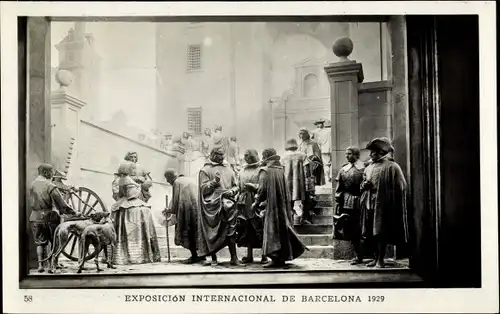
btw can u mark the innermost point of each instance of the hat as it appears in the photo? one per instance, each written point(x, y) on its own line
point(320, 121)
point(291, 144)
point(382, 143)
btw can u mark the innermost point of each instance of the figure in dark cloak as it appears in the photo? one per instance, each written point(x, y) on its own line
point(250, 224)
point(383, 201)
point(280, 242)
point(218, 211)
point(184, 206)
point(347, 193)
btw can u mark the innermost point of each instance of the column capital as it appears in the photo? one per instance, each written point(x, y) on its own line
point(339, 70)
point(61, 97)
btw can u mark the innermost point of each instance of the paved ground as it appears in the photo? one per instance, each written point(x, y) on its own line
point(177, 266)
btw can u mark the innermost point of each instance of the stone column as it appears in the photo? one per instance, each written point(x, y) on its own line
point(38, 111)
point(65, 116)
point(344, 76)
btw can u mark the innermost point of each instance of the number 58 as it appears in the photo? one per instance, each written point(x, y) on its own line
point(28, 298)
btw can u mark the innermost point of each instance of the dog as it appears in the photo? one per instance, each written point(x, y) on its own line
point(100, 236)
point(62, 233)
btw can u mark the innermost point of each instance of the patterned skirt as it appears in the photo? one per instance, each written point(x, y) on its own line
point(136, 236)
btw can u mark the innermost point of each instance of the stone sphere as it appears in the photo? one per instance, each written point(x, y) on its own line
point(64, 78)
point(342, 47)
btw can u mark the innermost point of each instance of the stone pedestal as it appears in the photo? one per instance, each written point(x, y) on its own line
point(344, 78)
point(65, 118)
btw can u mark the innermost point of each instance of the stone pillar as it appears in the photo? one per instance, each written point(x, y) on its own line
point(399, 99)
point(65, 116)
point(399, 78)
point(344, 76)
point(38, 114)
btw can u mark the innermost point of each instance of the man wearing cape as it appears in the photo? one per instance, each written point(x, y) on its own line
point(218, 210)
point(280, 242)
point(383, 201)
point(184, 205)
point(250, 224)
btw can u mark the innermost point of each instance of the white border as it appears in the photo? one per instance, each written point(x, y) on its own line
point(98, 301)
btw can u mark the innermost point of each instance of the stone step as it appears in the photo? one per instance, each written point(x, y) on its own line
point(324, 197)
point(316, 239)
point(322, 220)
point(182, 253)
point(314, 229)
point(324, 203)
point(323, 211)
point(326, 189)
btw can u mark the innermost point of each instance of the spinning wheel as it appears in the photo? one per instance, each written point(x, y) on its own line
point(86, 202)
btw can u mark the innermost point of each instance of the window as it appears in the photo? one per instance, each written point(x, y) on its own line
point(310, 85)
point(194, 120)
point(70, 56)
point(194, 57)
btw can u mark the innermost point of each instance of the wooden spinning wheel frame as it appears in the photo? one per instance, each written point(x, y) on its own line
point(86, 202)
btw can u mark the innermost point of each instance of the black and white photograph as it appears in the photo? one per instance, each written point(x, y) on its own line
point(249, 157)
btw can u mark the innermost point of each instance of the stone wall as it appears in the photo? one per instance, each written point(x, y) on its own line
point(375, 113)
point(101, 150)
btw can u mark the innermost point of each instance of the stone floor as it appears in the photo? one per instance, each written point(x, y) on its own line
point(177, 266)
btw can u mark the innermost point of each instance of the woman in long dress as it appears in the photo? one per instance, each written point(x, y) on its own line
point(133, 219)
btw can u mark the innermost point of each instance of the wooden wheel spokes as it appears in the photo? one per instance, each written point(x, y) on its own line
point(72, 249)
point(86, 202)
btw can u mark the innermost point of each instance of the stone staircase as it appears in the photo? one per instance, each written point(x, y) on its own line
point(318, 236)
